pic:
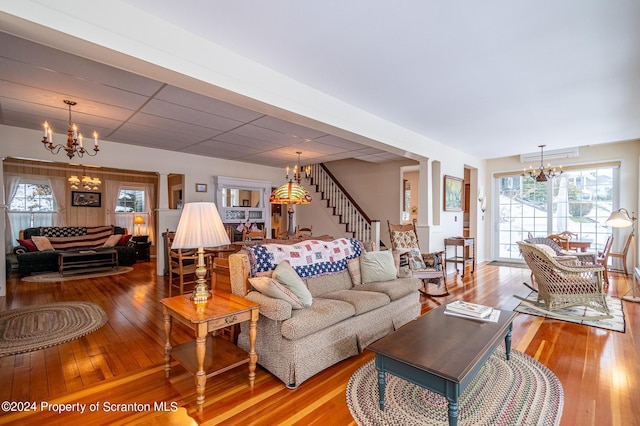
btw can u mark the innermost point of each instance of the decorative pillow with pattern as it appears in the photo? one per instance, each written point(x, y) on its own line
point(273, 288)
point(415, 259)
point(404, 239)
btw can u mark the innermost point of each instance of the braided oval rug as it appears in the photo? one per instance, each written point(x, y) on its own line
point(41, 326)
point(520, 391)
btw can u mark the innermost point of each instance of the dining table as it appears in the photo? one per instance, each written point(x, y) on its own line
point(578, 245)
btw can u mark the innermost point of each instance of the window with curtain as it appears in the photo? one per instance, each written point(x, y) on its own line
point(33, 204)
point(132, 202)
point(579, 201)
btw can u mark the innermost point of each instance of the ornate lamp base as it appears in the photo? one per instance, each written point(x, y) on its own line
point(201, 293)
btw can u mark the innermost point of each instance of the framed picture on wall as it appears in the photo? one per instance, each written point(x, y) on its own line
point(453, 194)
point(86, 199)
point(201, 187)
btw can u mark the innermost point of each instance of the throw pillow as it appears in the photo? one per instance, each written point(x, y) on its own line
point(285, 273)
point(112, 241)
point(415, 259)
point(124, 239)
point(28, 244)
point(377, 266)
point(273, 288)
point(353, 266)
point(551, 252)
point(401, 260)
point(42, 243)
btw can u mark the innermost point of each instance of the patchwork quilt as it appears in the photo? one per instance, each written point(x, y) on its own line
point(308, 258)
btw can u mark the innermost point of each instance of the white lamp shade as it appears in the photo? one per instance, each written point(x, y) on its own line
point(619, 219)
point(200, 226)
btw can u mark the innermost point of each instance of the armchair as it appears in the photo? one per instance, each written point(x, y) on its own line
point(562, 284)
point(426, 266)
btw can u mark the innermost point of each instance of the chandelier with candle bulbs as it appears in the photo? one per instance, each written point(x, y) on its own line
point(298, 171)
point(75, 143)
point(542, 174)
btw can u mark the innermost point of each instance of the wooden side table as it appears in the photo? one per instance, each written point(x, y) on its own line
point(209, 355)
point(465, 258)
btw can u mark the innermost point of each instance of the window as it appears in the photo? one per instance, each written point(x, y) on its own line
point(131, 200)
point(32, 205)
point(579, 200)
point(131, 203)
point(33, 197)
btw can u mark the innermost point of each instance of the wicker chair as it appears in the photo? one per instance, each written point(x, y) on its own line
point(562, 284)
point(583, 257)
point(426, 266)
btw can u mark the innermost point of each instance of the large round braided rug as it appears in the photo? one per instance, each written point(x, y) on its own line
point(520, 391)
point(37, 327)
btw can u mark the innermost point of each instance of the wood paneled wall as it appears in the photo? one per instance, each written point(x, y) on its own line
point(81, 216)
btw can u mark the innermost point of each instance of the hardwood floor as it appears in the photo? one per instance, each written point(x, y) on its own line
point(122, 362)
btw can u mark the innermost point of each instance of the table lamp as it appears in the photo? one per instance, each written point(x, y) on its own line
point(200, 226)
point(621, 219)
point(138, 220)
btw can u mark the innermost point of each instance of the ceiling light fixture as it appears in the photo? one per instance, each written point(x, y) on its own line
point(541, 174)
point(297, 171)
point(74, 145)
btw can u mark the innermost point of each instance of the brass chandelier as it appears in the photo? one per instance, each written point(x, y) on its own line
point(542, 174)
point(75, 144)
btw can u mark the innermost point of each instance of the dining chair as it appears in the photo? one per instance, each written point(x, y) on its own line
point(304, 232)
point(568, 235)
point(623, 254)
point(603, 257)
point(560, 240)
point(254, 235)
point(428, 267)
point(182, 265)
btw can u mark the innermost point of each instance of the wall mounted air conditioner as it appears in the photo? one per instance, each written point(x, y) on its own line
point(552, 154)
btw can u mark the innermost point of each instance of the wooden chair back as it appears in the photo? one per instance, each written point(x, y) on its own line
point(257, 235)
point(182, 265)
point(220, 276)
point(623, 254)
point(304, 232)
point(403, 236)
point(603, 257)
point(560, 240)
point(568, 235)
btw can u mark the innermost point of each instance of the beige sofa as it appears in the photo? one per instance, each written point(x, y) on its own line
point(295, 344)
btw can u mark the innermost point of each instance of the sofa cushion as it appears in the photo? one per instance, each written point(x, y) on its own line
point(124, 239)
point(362, 301)
point(42, 243)
point(395, 289)
point(290, 279)
point(377, 266)
point(327, 283)
point(322, 314)
point(271, 308)
point(353, 266)
point(401, 260)
point(273, 288)
point(112, 241)
point(28, 244)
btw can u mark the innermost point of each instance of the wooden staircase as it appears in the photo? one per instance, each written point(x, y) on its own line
point(356, 222)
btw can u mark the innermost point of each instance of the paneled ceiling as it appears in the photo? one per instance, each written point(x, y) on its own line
point(490, 79)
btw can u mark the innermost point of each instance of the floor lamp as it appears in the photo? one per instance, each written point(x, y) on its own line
point(200, 226)
point(621, 219)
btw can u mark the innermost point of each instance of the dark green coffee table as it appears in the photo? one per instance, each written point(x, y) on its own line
point(441, 353)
